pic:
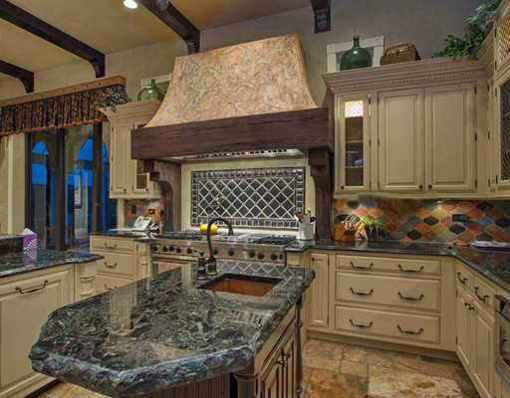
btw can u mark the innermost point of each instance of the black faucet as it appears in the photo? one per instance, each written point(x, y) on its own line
point(211, 264)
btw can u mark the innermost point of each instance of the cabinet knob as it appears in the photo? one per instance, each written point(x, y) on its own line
point(421, 187)
point(430, 186)
point(342, 187)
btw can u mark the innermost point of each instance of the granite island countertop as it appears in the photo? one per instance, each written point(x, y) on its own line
point(494, 265)
point(164, 331)
point(21, 262)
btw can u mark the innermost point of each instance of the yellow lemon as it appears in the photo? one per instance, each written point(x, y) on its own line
point(203, 229)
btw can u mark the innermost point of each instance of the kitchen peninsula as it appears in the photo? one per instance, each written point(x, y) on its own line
point(171, 336)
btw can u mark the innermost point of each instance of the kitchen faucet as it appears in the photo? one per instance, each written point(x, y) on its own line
point(211, 264)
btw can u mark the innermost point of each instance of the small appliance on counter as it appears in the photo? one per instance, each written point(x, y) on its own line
point(143, 225)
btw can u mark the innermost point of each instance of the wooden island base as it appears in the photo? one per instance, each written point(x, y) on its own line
point(276, 372)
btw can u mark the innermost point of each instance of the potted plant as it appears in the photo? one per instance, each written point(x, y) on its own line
point(373, 229)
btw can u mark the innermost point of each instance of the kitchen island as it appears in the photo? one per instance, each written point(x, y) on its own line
point(171, 336)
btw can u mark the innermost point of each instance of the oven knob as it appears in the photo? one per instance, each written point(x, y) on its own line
point(260, 256)
point(231, 252)
point(274, 257)
point(171, 248)
point(189, 250)
point(164, 248)
point(154, 248)
point(178, 250)
point(252, 253)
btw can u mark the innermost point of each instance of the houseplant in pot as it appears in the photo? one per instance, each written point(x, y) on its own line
point(372, 229)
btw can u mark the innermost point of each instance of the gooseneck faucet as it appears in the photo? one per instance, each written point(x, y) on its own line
point(211, 263)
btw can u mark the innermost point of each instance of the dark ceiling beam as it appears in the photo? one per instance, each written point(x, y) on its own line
point(173, 18)
point(322, 12)
point(26, 76)
point(38, 27)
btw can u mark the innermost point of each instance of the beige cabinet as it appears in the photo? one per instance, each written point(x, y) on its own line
point(354, 143)
point(128, 179)
point(400, 141)
point(124, 261)
point(450, 137)
point(427, 124)
point(25, 303)
point(475, 329)
point(318, 301)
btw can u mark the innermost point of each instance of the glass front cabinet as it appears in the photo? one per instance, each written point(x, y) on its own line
point(353, 141)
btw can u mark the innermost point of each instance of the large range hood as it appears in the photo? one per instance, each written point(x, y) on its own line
point(248, 98)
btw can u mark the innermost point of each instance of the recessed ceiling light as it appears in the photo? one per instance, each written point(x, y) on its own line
point(131, 4)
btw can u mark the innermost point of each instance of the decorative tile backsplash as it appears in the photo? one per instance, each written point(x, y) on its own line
point(448, 221)
point(141, 207)
point(251, 198)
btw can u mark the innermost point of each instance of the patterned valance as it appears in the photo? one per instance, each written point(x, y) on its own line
point(63, 108)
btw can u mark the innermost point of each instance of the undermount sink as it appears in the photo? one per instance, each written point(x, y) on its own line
point(242, 284)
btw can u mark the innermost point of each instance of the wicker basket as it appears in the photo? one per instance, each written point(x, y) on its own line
point(401, 52)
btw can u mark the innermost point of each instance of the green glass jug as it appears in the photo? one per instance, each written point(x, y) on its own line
point(151, 93)
point(356, 57)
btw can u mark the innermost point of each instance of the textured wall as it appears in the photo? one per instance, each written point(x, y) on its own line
point(433, 221)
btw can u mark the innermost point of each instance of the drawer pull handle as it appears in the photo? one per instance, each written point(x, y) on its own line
point(114, 246)
point(414, 271)
point(361, 293)
point(110, 265)
point(361, 326)
point(358, 267)
point(461, 279)
point(409, 298)
point(483, 298)
point(469, 306)
point(32, 289)
point(404, 331)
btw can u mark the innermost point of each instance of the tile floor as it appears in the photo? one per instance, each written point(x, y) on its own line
point(344, 371)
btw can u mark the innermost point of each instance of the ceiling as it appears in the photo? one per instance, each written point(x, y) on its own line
point(108, 26)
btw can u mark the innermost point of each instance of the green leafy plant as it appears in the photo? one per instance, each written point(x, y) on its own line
point(373, 227)
point(477, 26)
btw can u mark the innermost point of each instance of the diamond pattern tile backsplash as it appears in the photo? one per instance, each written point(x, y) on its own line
point(251, 198)
point(449, 221)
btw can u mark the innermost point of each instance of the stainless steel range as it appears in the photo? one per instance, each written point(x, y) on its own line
point(175, 249)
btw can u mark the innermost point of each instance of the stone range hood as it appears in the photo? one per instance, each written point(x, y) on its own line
point(248, 97)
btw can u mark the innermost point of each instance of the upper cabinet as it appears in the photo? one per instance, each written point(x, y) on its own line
point(400, 141)
point(128, 178)
point(414, 131)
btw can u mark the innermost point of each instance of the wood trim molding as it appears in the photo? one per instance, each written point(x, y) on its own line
point(321, 167)
point(26, 21)
point(25, 76)
point(168, 176)
point(302, 130)
point(429, 71)
point(111, 81)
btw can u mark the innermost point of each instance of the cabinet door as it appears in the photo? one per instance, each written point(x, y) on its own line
point(119, 171)
point(290, 371)
point(503, 137)
point(319, 293)
point(272, 382)
point(401, 167)
point(353, 144)
point(463, 325)
point(450, 138)
point(24, 307)
point(482, 365)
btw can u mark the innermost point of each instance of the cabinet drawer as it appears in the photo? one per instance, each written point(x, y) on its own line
point(406, 266)
point(117, 264)
point(464, 277)
point(484, 293)
point(387, 324)
point(401, 292)
point(105, 283)
point(110, 245)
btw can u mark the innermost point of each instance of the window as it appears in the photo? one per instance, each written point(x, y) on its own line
point(335, 51)
point(67, 186)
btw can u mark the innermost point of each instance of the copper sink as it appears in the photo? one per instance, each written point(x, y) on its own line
point(242, 284)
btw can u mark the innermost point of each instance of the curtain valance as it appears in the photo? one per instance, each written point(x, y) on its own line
point(62, 108)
